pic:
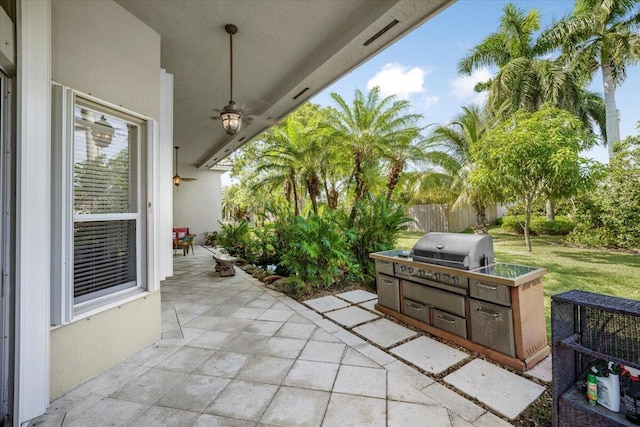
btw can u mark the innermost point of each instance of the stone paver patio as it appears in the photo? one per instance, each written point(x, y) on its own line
point(236, 353)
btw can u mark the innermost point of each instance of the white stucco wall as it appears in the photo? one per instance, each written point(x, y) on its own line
point(198, 204)
point(100, 49)
point(96, 343)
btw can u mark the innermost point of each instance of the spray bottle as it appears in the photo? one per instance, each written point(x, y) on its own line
point(592, 389)
point(607, 376)
point(632, 395)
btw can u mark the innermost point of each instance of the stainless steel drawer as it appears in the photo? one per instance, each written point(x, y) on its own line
point(388, 291)
point(384, 267)
point(449, 322)
point(416, 310)
point(492, 326)
point(447, 301)
point(491, 292)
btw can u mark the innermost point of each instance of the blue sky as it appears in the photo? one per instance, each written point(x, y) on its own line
point(421, 67)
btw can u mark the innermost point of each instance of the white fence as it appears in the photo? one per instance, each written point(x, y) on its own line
point(442, 218)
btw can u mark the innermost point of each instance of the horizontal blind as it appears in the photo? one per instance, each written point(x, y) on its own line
point(102, 176)
point(104, 255)
point(104, 204)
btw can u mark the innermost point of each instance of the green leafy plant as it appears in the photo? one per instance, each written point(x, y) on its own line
point(609, 215)
point(376, 227)
point(235, 237)
point(316, 252)
point(539, 225)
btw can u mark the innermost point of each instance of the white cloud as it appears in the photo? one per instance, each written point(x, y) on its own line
point(462, 87)
point(430, 101)
point(397, 79)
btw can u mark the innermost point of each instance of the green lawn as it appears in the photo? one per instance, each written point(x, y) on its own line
point(593, 270)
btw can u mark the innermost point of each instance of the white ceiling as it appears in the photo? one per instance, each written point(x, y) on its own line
point(281, 48)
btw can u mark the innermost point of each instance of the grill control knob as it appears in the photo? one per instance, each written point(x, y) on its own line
point(410, 270)
point(403, 268)
point(437, 276)
point(455, 280)
point(422, 273)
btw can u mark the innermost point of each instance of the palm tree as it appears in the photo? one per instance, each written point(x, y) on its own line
point(526, 77)
point(296, 155)
point(399, 155)
point(600, 34)
point(278, 161)
point(368, 128)
point(452, 154)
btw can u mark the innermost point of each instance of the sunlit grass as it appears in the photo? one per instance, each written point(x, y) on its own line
point(593, 270)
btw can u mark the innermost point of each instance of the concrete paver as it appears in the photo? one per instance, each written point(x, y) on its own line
point(507, 393)
point(296, 407)
point(357, 296)
point(429, 354)
point(312, 375)
point(384, 332)
point(235, 353)
point(412, 414)
point(243, 399)
point(351, 316)
point(328, 303)
point(361, 381)
point(347, 410)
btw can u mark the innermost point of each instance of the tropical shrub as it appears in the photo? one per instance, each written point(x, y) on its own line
point(560, 227)
point(609, 216)
point(539, 225)
point(235, 237)
point(376, 227)
point(316, 251)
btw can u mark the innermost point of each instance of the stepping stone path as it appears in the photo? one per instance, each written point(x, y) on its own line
point(355, 311)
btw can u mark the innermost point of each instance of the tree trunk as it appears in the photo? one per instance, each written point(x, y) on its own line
point(481, 220)
point(393, 178)
point(294, 187)
point(333, 198)
point(326, 192)
point(358, 192)
point(527, 220)
point(551, 210)
point(313, 188)
point(613, 124)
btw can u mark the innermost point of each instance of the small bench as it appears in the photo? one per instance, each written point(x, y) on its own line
point(224, 264)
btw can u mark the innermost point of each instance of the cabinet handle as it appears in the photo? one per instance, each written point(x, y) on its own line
point(415, 307)
point(388, 282)
point(487, 313)
point(491, 288)
point(441, 317)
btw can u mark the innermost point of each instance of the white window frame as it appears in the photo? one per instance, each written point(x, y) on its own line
point(64, 308)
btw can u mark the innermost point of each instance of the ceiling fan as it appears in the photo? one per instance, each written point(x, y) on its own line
point(232, 116)
point(177, 179)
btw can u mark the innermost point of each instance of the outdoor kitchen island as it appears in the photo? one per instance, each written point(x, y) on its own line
point(495, 309)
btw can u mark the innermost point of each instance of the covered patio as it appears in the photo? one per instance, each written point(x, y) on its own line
point(236, 353)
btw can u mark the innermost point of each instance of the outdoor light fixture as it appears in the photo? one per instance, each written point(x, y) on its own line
point(176, 178)
point(102, 132)
point(231, 116)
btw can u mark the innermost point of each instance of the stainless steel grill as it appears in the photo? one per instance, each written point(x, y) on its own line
point(463, 251)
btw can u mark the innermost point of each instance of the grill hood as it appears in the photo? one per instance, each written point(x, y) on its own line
point(463, 251)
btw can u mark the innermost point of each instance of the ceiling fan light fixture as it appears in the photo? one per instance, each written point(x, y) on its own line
point(231, 116)
point(176, 178)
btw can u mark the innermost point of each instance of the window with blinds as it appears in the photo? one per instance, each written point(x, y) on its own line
point(106, 208)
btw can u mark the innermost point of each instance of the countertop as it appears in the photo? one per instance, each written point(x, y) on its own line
point(502, 273)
